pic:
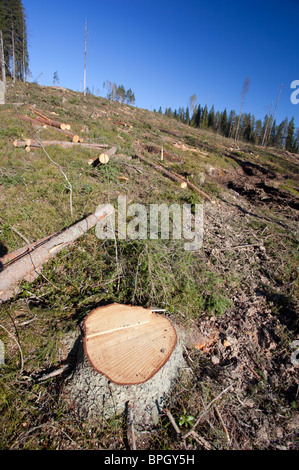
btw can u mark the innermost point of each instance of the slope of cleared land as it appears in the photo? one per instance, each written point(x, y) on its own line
point(236, 298)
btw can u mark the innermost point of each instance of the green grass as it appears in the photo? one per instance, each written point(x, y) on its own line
point(191, 287)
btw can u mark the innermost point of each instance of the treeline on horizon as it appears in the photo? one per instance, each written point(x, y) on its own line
point(255, 131)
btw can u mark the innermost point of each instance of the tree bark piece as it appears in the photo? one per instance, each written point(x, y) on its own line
point(175, 177)
point(27, 264)
point(61, 143)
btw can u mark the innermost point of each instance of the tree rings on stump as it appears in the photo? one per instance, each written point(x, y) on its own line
point(128, 344)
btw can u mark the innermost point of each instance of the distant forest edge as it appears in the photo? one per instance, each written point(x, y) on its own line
point(245, 127)
point(249, 129)
point(13, 38)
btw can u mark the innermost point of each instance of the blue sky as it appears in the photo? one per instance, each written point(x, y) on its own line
point(167, 51)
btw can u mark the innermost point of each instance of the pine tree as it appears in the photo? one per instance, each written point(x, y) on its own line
point(121, 93)
point(130, 97)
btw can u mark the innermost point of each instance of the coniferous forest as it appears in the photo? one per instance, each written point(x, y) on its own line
point(266, 132)
point(14, 36)
point(244, 127)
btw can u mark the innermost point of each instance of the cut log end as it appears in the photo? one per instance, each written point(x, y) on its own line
point(76, 139)
point(104, 158)
point(184, 185)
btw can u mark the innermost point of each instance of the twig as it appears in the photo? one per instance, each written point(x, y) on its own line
point(55, 373)
point(253, 371)
point(18, 344)
point(20, 234)
point(131, 425)
point(41, 426)
point(172, 420)
point(63, 173)
point(223, 424)
point(237, 246)
point(205, 411)
point(185, 349)
point(201, 440)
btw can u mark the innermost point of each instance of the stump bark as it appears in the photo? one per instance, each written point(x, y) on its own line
point(94, 396)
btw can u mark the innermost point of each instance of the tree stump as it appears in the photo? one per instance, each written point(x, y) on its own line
point(106, 378)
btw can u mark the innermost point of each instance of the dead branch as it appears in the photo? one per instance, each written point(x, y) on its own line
point(205, 411)
point(18, 344)
point(131, 425)
point(223, 424)
point(27, 264)
point(54, 373)
point(64, 175)
point(20, 234)
point(172, 420)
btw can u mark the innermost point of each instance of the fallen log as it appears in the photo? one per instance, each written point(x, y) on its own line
point(175, 177)
point(61, 143)
point(38, 122)
point(49, 121)
point(28, 262)
point(32, 121)
point(104, 157)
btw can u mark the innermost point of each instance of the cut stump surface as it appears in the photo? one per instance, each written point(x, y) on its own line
point(128, 344)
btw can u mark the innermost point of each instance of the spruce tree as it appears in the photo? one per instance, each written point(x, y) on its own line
point(281, 133)
point(205, 118)
point(257, 139)
point(197, 117)
point(211, 118)
point(187, 116)
point(224, 123)
point(290, 138)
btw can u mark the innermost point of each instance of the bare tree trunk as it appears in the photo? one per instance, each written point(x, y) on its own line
point(27, 262)
point(24, 54)
point(274, 115)
point(13, 55)
point(245, 89)
point(267, 124)
point(85, 52)
point(2, 61)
